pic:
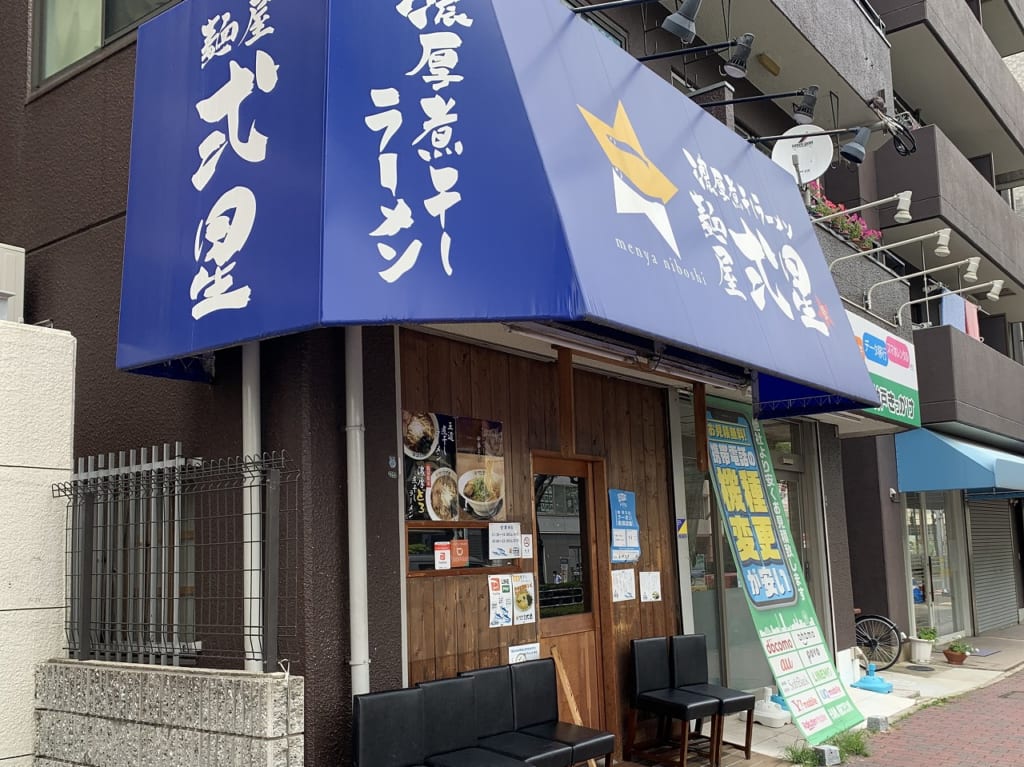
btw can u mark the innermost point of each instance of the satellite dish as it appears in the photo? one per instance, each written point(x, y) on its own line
point(805, 154)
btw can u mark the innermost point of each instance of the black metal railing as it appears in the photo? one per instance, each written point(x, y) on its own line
point(177, 561)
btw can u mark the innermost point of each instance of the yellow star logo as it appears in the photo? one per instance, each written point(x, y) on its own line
point(620, 142)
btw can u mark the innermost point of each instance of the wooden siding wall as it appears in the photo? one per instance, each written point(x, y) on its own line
point(623, 422)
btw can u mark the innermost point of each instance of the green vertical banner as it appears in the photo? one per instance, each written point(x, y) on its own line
point(758, 532)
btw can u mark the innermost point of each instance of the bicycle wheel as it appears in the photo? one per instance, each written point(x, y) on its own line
point(879, 639)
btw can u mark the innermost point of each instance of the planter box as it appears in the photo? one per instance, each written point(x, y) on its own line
point(955, 658)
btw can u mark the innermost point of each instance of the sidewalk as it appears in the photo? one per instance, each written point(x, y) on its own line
point(983, 727)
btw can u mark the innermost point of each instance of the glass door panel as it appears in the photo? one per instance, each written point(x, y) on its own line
point(931, 572)
point(563, 566)
point(805, 540)
point(704, 566)
point(746, 667)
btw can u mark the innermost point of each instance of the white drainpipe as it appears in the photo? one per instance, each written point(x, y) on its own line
point(252, 541)
point(355, 436)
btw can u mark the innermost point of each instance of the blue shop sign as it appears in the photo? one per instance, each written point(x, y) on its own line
point(495, 161)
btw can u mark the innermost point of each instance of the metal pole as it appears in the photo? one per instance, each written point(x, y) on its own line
point(273, 546)
point(85, 577)
point(355, 440)
point(252, 564)
point(608, 6)
point(683, 51)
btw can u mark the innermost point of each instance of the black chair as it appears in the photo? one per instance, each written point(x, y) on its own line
point(450, 727)
point(690, 673)
point(535, 709)
point(496, 722)
point(653, 692)
point(375, 717)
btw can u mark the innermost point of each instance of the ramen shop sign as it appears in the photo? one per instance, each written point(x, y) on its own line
point(234, 52)
point(435, 76)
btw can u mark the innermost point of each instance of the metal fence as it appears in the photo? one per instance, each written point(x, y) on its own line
point(180, 561)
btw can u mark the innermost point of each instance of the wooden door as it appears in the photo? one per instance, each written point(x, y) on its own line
point(566, 496)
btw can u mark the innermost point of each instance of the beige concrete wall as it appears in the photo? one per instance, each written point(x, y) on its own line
point(37, 373)
point(98, 714)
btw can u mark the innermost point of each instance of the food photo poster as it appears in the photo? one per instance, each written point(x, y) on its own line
point(454, 468)
point(524, 599)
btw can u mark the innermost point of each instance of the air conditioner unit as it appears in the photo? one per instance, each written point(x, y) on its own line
point(12, 283)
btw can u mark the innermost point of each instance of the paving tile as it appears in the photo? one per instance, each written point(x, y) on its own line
point(981, 727)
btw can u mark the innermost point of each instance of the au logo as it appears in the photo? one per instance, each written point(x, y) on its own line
point(640, 187)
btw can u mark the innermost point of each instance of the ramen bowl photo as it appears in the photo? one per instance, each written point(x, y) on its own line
point(443, 496)
point(482, 492)
point(419, 434)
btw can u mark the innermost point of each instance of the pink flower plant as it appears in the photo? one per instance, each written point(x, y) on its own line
point(851, 226)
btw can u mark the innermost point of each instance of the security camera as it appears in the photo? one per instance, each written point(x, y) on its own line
point(893, 495)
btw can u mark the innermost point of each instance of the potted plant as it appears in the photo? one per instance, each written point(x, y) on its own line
point(921, 645)
point(957, 651)
point(850, 225)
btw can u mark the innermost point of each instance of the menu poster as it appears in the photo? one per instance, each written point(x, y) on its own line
point(431, 484)
point(480, 465)
point(525, 603)
point(499, 588)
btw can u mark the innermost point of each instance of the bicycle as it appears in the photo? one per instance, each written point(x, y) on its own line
point(879, 640)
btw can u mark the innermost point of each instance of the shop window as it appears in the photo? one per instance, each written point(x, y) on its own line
point(452, 550)
point(69, 30)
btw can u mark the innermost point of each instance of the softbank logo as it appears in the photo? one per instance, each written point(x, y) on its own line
point(640, 187)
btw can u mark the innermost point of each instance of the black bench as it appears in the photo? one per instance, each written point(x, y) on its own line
point(505, 716)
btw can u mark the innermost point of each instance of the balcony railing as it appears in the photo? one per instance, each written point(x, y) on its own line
point(872, 16)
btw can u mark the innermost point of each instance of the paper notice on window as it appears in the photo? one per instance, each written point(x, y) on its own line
point(504, 540)
point(499, 588)
point(623, 585)
point(525, 603)
point(650, 587)
point(527, 546)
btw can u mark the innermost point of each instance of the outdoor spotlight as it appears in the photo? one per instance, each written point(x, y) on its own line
point(902, 208)
point(993, 292)
point(855, 149)
point(737, 65)
point(683, 23)
point(971, 275)
point(803, 112)
point(942, 248)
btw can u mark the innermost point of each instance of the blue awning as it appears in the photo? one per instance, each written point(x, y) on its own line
point(926, 460)
point(496, 161)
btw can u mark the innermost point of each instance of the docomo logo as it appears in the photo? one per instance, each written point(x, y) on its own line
point(774, 646)
point(899, 352)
